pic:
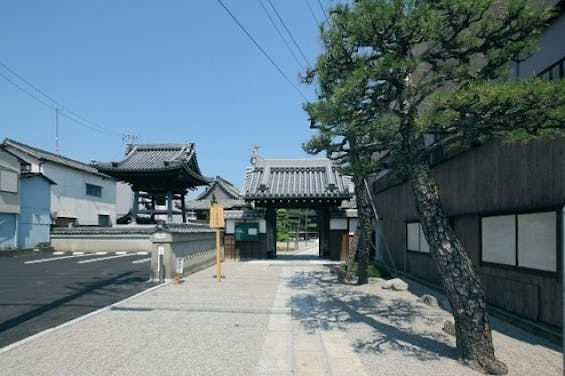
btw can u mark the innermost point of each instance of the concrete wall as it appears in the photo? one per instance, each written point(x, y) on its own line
point(101, 242)
point(196, 249)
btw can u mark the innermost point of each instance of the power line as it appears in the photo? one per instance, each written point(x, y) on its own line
point(290, 34)
point(323, 11)
point(55, 105)
point(262, 50)
point(312, 12)
point(281, 35)
point(48, 105)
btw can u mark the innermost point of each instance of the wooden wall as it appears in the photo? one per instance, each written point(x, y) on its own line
point(240, 250)
point(492, 179)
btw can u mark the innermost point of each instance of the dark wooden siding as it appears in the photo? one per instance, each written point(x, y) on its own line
point(236, 250)
point(491, 179)
point(336, 237)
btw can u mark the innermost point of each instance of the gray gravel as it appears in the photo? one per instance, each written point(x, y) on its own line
point(267, 319)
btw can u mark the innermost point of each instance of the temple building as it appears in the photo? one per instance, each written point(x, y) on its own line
point(160, 175)
point(272, 184)
point(221, 192)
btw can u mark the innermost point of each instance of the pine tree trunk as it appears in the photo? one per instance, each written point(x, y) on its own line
point(460, 280)
point(363, 231)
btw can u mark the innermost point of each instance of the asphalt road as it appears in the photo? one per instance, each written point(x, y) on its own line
point(38, 292)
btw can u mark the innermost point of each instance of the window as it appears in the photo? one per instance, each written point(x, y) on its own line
point(93, 190)
point(104, 220)
point(415, 239)
point(8, 181)
point(523, 240)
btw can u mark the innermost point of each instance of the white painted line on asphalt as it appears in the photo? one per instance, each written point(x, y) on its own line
point(78, 319)
point(105, 258)
point(57, 258)
point(78, 253)
point(58, 253)
point(143, 253)
point(121, 253)
point(141, 261)
point(101, 253)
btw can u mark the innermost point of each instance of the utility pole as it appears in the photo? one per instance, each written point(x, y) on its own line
point(57, 110)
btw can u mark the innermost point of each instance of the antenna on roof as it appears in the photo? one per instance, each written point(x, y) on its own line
point(130, 138)
point(254, 154)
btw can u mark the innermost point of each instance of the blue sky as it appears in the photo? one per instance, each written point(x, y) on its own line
point(166, 71)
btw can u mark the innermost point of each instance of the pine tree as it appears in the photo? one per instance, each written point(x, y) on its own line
point(395, 74)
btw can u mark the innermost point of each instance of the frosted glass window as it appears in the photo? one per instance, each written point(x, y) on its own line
point(8, 181)
point(413, 236)
point(537, 241)
point(338, 224)
point(499, 239)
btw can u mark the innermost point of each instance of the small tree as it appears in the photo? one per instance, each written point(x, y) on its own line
point(402, 71)
point(283, 225)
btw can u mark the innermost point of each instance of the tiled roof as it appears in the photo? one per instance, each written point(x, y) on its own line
point(9, 144)
point(151, 158)
point(205, 204)
point(233, 199)
point(295, 178)
point(220, 183)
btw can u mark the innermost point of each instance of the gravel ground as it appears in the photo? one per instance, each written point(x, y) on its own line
point(394, 334)
point(269, 319)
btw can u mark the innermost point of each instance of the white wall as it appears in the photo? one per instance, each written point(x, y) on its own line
point(124, 198)
point(69, 198)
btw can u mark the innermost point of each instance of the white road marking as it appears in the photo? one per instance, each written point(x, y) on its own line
point(143, 253)
point(106, 258)
point(58, 253)
point(78, 253)
point(121, 253)
point(141, 261)
point(57, 258)
point(101, 253)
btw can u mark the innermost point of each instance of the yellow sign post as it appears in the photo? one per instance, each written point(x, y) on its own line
point(217, 222)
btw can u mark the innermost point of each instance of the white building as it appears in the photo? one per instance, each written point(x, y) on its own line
point(81, 196)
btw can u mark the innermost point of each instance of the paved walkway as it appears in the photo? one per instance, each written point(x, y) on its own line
point(271, 318)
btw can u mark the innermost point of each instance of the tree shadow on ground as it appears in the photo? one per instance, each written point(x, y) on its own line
point(497, 324)
point(323, 304)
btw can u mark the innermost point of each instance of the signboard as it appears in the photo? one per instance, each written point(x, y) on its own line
point(161, 250)
point(180, 265)
point(216, 216)
point(247, 231)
